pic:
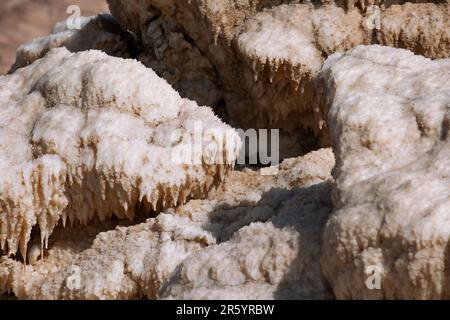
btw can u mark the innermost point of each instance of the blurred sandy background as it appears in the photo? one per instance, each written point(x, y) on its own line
point(24, 20)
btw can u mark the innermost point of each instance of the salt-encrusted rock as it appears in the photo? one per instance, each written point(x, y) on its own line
point(275, 257)
point(101, 32)
point(423, 28)
point(282, 50)
point(389, 116)
point(86, 135)
point(256, 236)
point(165, 47)
point(266, 53)
point(94, 263)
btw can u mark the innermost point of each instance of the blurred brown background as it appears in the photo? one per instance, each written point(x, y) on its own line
point(24, 20)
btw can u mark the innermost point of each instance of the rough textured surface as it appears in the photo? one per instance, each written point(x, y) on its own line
point(423, 28)
point(77, 142)
point(265, 53)
point(101, 32)
point(265, 230)
point(389, 118)
point(100, 141)
point(166, 49)
point(24, 20)
point(94, 263)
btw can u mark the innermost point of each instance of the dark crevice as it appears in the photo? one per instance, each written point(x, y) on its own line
point(8, 296)
point(445, 128)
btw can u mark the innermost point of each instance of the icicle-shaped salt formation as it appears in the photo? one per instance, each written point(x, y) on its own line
point(86, 134)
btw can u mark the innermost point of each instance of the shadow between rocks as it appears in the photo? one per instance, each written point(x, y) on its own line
point(304, 280)
point(303, 210)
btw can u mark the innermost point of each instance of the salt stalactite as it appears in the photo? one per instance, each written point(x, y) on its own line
point(86, 135)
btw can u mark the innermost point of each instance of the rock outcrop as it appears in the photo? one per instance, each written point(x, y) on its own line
point(262, 56)
point(265, 230)
point(78, 142)
point(390, 120)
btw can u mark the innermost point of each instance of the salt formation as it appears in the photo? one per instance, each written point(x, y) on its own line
point(172, 55)
point(91, 140)
point(101, 32)
point(264, 54)
point(257, 236)
point(86, 135)
point(389, 118)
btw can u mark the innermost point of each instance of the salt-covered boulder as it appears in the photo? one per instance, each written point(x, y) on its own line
point(86, 135)
point(265, 54)
point(255, 237)
point(389, 116)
